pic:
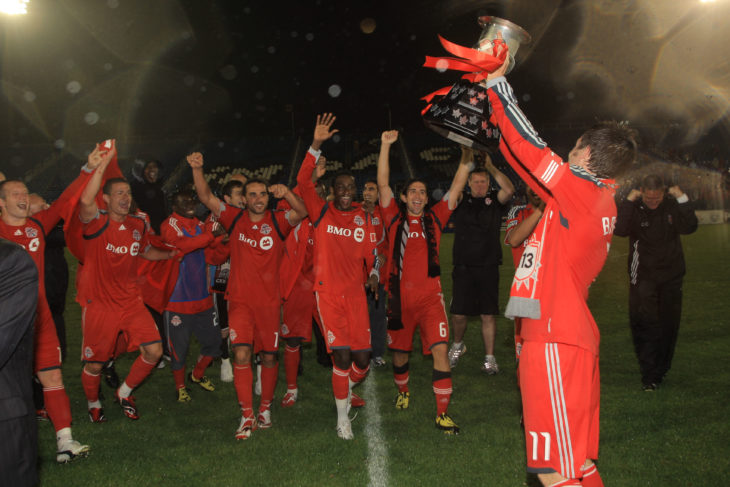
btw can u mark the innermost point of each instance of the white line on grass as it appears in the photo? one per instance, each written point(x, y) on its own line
point(377, 448)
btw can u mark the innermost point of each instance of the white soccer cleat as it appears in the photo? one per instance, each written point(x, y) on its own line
point(226, 370)
point(344, 429)
point(290, 398)
point(244, 429)
point(490, 365)
point(264, 419)
point(71, 449)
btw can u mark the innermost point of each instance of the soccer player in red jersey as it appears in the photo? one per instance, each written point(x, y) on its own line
point(254, 298)
point(559, 374)
point(17, 225)
point(297, 290)
point(109, 292)
point(521, 221)
point(190, 307)
point(344, 252)
point(414, 285)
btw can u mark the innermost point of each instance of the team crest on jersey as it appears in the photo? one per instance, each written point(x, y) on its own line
point(88, 352)
point(330, 337)
point(488, 200)
point(265, 229)
point(284, 329)
point(359, 221)
point(136, 235)
point(31, 232)
point(233, 335)
point(376, 220)
point(176, 321)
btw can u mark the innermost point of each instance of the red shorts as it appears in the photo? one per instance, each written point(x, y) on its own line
point(256, 326)
point(101, 324)
point(299, 308)
point(345, 321)
point(47, 350)
point(560, 387)
point(425, 312)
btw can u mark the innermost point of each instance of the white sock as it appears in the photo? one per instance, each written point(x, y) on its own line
point(125, 390)
point(62, 436)
point(458, 344)
point(94, 404)
point(341, 409)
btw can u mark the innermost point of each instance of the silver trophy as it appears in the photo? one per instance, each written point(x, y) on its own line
point(462, 115)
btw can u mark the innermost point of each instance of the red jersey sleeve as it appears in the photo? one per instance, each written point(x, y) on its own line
point(306, 187)
point(172, 234)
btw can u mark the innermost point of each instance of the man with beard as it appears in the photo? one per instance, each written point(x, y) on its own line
point(254, 298)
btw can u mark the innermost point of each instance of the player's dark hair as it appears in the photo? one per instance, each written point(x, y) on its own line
point(613, 148)
point(228, 188)
point(107, 189)
point(341, 173)
point(370, 181)
point(254, 181)
point(652, 181)
point(3, 183)
point(478, 170)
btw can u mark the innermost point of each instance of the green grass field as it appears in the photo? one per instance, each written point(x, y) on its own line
point(677, 435)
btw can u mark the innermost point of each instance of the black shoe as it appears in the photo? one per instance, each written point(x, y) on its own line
point(649, 387)
point(110, 375)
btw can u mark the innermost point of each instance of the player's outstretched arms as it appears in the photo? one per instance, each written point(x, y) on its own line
point(205, 195)
point(99, 159)
point(298, 209)
point(387, 139)
point(466, 165)
point(153, 253)
point(506, 188)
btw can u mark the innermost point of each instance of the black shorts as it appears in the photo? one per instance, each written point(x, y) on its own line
point(475, 290)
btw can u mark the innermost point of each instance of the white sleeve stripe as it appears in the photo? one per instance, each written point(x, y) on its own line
point(550, 171)
point(504, 90)
point(174, 225)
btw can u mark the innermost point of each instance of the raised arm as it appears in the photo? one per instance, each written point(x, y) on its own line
point(387, 139)
point(466, 165)
point(298, 209)
point(323, 131)
point(519, 233)
point(205, 195)
point(99, 159)
point(685, 219)
point(506, 188)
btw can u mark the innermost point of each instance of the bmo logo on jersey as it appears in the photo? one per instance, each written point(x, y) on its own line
point(33, 245)
point(358, 234)
point(265, 243)
point(132, 250)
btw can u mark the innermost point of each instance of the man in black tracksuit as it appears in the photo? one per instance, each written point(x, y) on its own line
point(653, 222)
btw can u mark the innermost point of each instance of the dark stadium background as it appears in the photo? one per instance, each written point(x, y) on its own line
point(243, 80)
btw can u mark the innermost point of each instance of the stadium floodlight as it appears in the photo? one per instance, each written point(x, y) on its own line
point(14, 7)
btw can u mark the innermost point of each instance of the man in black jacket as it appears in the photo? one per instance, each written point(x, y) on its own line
point(18, 429)
point(653, 222)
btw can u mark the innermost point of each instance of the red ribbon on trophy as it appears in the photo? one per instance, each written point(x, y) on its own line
point(475, 63)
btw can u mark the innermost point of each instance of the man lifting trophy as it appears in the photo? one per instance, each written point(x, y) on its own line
point(459, 114)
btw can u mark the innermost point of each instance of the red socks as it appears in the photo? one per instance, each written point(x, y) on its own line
point(291, 366)
point(139, 372)
point(358, 375)
point(442, 390)
point(58, 406)
point(91, 385)
point(591, 477)
point(243, 381)
point(340, 382)
point(179, 376)
point(268, 384)
point(203, 363)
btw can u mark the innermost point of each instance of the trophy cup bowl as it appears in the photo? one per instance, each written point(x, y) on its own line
point(512, 34)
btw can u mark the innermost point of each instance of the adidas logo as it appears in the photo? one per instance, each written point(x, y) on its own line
point(122, 227)
point(255, 227)
point(18, 233)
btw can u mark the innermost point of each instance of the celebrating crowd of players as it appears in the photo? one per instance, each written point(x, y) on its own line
point(320, 257)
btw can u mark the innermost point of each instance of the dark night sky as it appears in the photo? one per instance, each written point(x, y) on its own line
point(75, 71)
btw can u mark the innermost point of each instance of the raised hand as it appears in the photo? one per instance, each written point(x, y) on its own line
point(389, 137)
point(496, 51)
point(195, 160)
point(278, 191)
point(634, 194)
point(101, 155)
point(675, 191)
point(323, 129)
